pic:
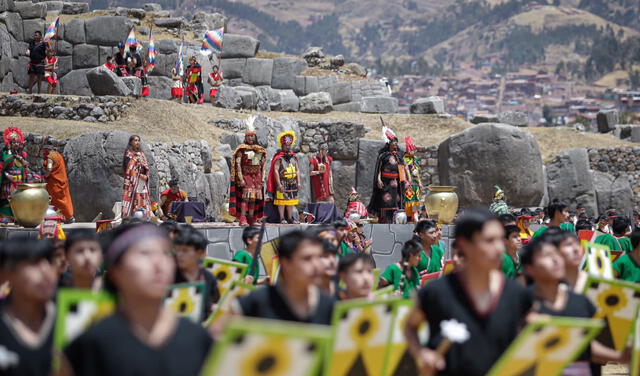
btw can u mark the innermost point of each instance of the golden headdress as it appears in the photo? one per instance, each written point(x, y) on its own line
point(287, 138)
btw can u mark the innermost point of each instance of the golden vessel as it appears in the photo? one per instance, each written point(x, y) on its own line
point(29, 204)
point(442, 203)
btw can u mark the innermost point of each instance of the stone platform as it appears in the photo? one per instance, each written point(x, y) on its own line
point(225, 238)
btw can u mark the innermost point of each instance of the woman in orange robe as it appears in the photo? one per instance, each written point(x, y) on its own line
point(57, 182)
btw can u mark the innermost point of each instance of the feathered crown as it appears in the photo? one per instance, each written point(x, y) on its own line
point(409, 143)
point(251, 129)
point(388, 135)
point(13, 133)
point(286, 138)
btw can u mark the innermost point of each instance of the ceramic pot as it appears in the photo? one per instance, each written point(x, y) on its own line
point(442, 203)
point(29, 204)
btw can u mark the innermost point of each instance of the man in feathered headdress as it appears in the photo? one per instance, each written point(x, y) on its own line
point(499, 205)
point(389, 180)
point(247, 177)
point(284, 177)
point(13, 167)
point(413, 191)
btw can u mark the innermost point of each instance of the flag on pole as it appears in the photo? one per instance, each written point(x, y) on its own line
point(52, 31)
point(179, 64)
point(152, 52)
point(131, 39)
point(212, 42)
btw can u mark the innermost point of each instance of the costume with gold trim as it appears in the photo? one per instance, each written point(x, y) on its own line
point(13, 170)
point(413, 191)
point(285, 164)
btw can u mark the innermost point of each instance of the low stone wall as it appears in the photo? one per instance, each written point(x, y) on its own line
point(428, 166)
point(620, 163)
point(65, 107)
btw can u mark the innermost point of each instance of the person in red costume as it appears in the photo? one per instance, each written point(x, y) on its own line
point(321, 175)
point(355, 206)
point(247, 179)
point(284, 179)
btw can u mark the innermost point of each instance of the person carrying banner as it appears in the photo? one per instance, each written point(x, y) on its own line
point(36, 53)
point(246, 199)
point(284, 178)
point(177, 90)
point(27, 315)
point(390, 180)
point(215, 80)
point(492, 307)
point(55, 174)
point(121, 61)
point(295, 297)
point(195, 90)
point(50, 68)
point(142, 337)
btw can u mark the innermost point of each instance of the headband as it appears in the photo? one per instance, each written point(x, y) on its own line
point(129, 238)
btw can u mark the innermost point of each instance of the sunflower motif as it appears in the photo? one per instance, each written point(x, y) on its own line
point(224, 275)
point(551, 342)
point(600, 262)
point(612, 300)
point(183, 303)
point(364, 327)
point(272, 358)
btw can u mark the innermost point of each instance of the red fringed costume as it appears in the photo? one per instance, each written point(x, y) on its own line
point(322, 183)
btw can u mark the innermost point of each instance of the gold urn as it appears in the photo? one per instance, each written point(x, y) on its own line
point(442, 203)
point(29, 204)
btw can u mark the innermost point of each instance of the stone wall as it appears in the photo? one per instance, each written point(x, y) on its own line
point(620, 166)
point(64, 107)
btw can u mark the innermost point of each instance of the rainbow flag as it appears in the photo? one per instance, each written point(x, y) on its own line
point(52, 31)
point(131, 39)
point(179, 63)
point(212, 42)
point(152, 52)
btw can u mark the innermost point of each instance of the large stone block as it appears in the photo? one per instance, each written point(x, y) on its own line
point(607, 120)
point(232, 68)
point(7, 6)
point(85, 56)
point(212, 21)
point(169, 23)
point(288, 101)
point(8, 84)
point(365, 168)
point(134, 84)
point(74, 31)
point(318, 103)
point(29, 27)
point(167, 46)
point(344, 177)
point(65, 65)
point(635, 133)
point(19, 69)
point(491, 154)
point(14, 24)
point(75, 7)
point(107, 30)
point(569, 179)
point(340, 93)
point(54, 6)
point(379, 105)
point(306, 85)
point(64, 48)
point(152, 7)
point(239, 46)
point(258, 72)
point(6, 50)
point(228, 97)
point(75, 83)
point(348, 107)
point(104, 82)
point(249, 96)
point(29, 10)
point(106, 51)
point(160, 87)
point(429, 105)
point(285, 70)
point(515, 118)
point(613, 192)
point(94, 167)
point(164, 65)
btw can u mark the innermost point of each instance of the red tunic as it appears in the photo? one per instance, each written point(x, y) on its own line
point(322, 184)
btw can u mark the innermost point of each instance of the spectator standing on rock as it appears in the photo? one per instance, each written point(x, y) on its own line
point(135, 194)
point(36, 53)
point(50, 68)
point(215, 80)
point(57, 182)
point(121, 61)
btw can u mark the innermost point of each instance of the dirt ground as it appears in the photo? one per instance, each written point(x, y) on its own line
point(165, 121)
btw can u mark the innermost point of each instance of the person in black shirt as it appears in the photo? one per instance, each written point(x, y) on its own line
point(190, 247)
point(134, 61)
point(84, 256)
point(27, 316)
point(492, 307)
point(37, 52)
point(294, 297)
point(142, 337)
point(544, 263)
point(121, 60)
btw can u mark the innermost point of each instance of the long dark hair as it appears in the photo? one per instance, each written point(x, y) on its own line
point(125, 159)
point(133, 137)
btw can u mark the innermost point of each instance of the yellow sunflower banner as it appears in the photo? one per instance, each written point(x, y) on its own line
point(546, 347)
point(236, 290)
point(634, 368)
point(269, 252)
point(398, 360)
point(225, 272)
point(77, 310)
point(617, 304)
point(599, 260)
point(259, 347)
point(186, 300)
point(361, 332)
